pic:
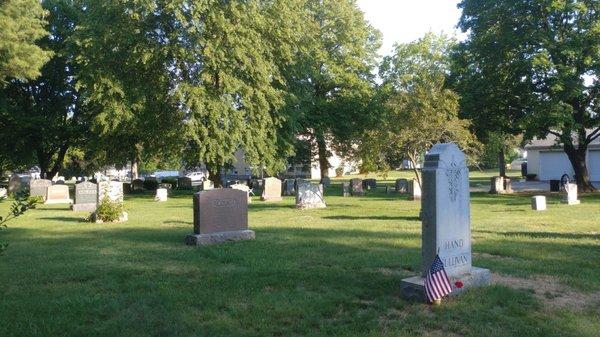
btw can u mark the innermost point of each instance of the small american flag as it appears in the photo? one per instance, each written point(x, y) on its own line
point(437, 284)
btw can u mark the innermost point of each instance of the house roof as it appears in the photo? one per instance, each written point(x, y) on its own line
point(552, 142)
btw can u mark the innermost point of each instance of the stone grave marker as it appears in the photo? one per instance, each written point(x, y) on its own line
point(220, 215)
point(326, 182)
point(86, 197)
point(289, 187)
point(271, 190)
point(414, 189)
point(356, 187)
point(3, 193)
point(401, 186)
point(111, 189)
point(17, 183)
point(161, 194)
point(446, 227)
point(570, 197)
point(310, 196)
point(57, 194)
point(137, 185)
point(242, 187)
point(37, 187)
point(538, 203)
point(207, 185)
point(184, 183)
point(345, 189)
point(370, 184)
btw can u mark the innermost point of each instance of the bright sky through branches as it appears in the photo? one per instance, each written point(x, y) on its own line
point(407, 20)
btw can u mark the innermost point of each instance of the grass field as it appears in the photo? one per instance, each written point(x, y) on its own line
point(330, 272)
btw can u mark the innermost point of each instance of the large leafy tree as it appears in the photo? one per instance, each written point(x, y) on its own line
point(332, 80)
point(21, 25)
point(43, 118)
point(539, 61)
point(417, 109)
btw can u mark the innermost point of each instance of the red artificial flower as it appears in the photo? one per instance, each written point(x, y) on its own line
point(458, 284)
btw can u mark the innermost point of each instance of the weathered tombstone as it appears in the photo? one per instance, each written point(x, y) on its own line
point(86, 197)
point(538, 203)
point(289, 187)
point(137, 185)
point(220, 215)
point(356, 187)
point(446, 228)
point(111, 189)
point(184, 183)
point(326, 182)
point(161, 194)
point(401, 186)
point(496, 185)
point(166, 186)
point(369, 184)
point(508, 186)
point(570, 197)
point(58, 194)
point(17, 183)
point(310, 196)
point(345, 189)
point(271, 190)
point(207, 185)
point(3, 193)
point(37, 187)
point(242, 187)
point(414, 189)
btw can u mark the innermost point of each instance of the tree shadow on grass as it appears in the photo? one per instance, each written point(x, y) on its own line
point(372, 217)
point(65, 219)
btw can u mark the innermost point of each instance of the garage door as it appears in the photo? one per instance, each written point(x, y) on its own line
point(594, 165)
point(553, 165)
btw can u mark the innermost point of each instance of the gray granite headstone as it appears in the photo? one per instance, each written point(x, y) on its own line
point(184, 183)
point(18, 183)
point(356, 187)
point(37, 187)
point(370, 184)
point(345, 189)
point(401, 186)
point(446, 225)
point(220, 215)
point(289, 187)
point(271, 190)
point(86, 197)
point(310, 196)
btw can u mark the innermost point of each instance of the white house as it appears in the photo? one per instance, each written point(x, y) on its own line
point(546, 158)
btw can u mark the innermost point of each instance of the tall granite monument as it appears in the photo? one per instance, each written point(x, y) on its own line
point(446, 225)
point(220, 215)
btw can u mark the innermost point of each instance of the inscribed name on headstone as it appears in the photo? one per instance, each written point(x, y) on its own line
point(111, 189)
point(356, 187)
point(310, 196)
point(184, 183)
point(37, 187)
point(58, 194)
point(401, 186)
point(445, 215)
point(220, 215)
point(161, 194)
point(271, 189)
point(86, 197)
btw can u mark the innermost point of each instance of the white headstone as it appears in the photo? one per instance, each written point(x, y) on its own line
point(310, 196)
point(244, 188)
point(3, 193)
point(161, 194)
point(414, 189)
point(538, 203)
point(112, 189)
point(571, 195)
point(58, 194)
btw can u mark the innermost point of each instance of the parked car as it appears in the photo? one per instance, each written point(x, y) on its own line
point(197, 176)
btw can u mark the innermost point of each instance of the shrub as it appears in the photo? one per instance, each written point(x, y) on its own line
point(109, 211)
point(150, 185)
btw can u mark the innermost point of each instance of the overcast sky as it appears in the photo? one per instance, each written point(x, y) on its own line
point(407, 20)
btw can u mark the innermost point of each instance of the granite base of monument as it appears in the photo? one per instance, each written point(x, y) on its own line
point(413, 288)
point(216, 238)
point(84, 207)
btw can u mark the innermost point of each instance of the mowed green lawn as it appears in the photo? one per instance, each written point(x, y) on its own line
point(330, 272)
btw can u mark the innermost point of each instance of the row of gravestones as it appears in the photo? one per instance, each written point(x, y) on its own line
point(221, 215)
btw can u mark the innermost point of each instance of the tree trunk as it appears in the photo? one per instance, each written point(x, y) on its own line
point(134, 169)
point(413, 160)
point(577, 157)
point(322, 153)
point(215, 175)
point(502, 163)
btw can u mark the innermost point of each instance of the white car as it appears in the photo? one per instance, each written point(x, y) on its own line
point(197, 176)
